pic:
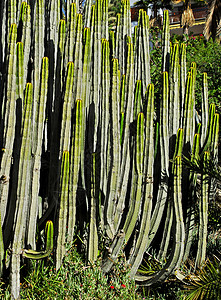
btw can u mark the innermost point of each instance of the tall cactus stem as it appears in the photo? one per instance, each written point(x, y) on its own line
point(203, 214)
point(190, 214)
point(175, 258)
point(23, 197)
point(166, 42)
point(93, 235)
point(37, 142)
point(148, 156)
point(8, 111)
point(63, 209)
point(75, 167)
point(205, 107)
point(164, 156)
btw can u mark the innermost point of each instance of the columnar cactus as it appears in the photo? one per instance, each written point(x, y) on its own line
point(63, 209)
point(49, 235)
point(8, 111)
point(20, 195)
point(85, 137)
point(37, 143)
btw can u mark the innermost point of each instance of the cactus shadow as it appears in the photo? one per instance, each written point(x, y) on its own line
point(11, 206)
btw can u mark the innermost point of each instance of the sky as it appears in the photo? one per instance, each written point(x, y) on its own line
point(132, 2)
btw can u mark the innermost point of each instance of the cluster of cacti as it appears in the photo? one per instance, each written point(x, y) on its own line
point(82, 142)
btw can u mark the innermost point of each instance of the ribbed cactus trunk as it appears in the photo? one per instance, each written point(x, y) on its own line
point(9, 111)
point(63, 209)
point(22, 199)
point(37, 143)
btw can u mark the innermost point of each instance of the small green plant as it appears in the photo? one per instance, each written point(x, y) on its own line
point(206, 284)
point(77, 280)
point(207, 56)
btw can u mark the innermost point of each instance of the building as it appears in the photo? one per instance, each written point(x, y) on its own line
point(199, 12)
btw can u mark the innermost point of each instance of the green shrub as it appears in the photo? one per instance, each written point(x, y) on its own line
point(77, 280)
point(207, 56)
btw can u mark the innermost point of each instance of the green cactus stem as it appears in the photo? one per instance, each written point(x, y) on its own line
point(125, 155)
point(12, 13)
point(67, 111)
point(190, 214)
point(137, 100)
point(170, 208)
point(123, 29)
point(174, 103)
point(205, 108)
point(33, 254)
point(55, 114)
point(176, 255)
point(142, 58)
point(135, 202)
point(214, 152)
point(8, 109)
point(77, 88)
point(63, 209)
point(164, 156)
point(2, 252)
point(115, 151)
point(38, 49)
point(203, 214)
point(25, 18)
point(22, 193)
point(71, 25)
point(208, 139)
point(105, 116)
point(166, 42)
point(189, 111)
point(93, 235)
point(37, 142)
point(182, 78)
point(20, 71)
point(75, 167)
point(148, 157)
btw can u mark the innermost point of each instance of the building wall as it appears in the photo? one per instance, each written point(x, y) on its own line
point(199, 12)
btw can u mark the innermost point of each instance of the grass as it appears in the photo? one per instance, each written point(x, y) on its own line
point(77, 280)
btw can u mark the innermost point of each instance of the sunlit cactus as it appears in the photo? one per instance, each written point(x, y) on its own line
point(83, 133)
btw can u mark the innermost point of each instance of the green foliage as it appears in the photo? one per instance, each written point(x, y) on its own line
point(76, 280)
point(210, 167)
point(113, 9)
point(155, 62)
point(207, 56)
point(207, 282)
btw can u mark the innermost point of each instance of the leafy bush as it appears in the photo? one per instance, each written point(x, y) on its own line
point(77, 280)
point(207, 56)
point(207, 282)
